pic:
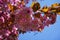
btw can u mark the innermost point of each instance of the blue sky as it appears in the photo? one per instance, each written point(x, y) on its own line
point(49, 33)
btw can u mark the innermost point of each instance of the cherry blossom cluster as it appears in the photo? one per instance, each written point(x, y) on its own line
point(16, 18)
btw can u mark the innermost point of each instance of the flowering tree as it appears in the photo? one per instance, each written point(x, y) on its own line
point(16, 17)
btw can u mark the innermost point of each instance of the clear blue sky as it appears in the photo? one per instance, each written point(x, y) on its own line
point(49, 33)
